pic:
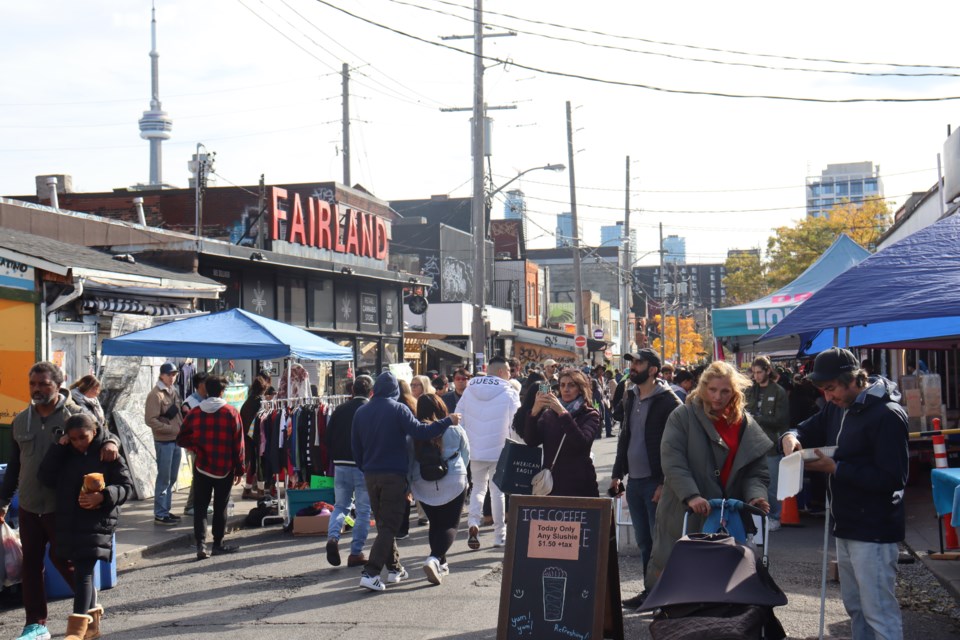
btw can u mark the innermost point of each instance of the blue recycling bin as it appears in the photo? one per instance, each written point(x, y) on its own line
point(104, 576)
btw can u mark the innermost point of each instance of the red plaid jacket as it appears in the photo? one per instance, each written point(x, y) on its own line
point(216, 438)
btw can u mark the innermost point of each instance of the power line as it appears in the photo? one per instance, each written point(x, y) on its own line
point(679, 57)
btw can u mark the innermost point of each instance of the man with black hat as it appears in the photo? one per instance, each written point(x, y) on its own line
point(643, 417)
point(866, 479)
point(162, 414)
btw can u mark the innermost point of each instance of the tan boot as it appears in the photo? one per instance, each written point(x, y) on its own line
point(93, 629)
point(77, 625)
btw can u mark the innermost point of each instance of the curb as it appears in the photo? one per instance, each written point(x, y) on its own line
point(933, 566)
point(129, 559)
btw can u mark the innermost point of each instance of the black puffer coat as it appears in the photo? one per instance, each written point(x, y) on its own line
point(85, 533)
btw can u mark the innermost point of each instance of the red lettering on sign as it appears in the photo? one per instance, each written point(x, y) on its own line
point(366, 235)
point(277, 193)
point(380, 241)
point(324, 219)
point(296, 224)
point(311, 223)
point(800, 297)
point(337, 237)
point(353, 239)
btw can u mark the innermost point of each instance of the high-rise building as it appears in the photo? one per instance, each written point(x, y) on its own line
point(565, 230)
point(612, 236)
point(155, 125)
point(852, 182)
point(676, 250)
point(515, 206)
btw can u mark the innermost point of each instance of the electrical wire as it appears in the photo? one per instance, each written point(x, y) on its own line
point(679, 57)
point(624, 83)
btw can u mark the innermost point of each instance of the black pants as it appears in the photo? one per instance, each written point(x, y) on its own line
point(444, 523)
point(84, 593)
point(204, 486)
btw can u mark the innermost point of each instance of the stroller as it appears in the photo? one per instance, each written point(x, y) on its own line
point(713, 587)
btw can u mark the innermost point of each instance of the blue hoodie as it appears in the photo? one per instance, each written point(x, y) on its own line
point(380, 428)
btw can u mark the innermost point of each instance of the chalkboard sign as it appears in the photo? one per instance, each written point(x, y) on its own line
point(555, 570)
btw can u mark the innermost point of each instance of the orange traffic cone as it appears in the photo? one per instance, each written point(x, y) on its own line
point(789, 514)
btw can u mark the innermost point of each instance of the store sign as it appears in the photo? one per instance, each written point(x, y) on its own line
point(319, 225)
point(369, 309)
point(16, 275)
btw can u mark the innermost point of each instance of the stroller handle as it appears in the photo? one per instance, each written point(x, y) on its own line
point(736, 506)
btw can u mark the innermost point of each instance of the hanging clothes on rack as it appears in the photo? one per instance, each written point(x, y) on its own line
point(299, 382)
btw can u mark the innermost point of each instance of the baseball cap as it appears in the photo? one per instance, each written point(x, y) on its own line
point(168, 367)
point(833, 363)
point(549, 362)
point(650, 356)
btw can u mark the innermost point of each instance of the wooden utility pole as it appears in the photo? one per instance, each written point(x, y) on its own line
point(626, 291)
point(346, 124)
point(663, 310)
point(577, 274)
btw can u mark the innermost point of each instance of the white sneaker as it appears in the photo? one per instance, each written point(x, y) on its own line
point(394, 577)
point(371, 582)
point(433, 571)
point(444, 569)
point(774, 524)
point(499, 540)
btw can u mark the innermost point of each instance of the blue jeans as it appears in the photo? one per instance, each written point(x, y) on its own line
point(773, 465)
point(349, 486)
point(168, 466)
point(868, 576)
point(643, 514)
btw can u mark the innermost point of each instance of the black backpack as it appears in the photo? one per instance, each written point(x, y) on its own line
point(433, 466)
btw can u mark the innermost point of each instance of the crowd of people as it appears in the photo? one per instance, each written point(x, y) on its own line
point(684, 437)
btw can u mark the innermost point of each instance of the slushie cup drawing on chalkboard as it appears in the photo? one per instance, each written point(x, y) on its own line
point(554, 591)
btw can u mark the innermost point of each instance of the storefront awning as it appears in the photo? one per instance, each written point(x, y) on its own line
point(115, 305)
point(446, 347)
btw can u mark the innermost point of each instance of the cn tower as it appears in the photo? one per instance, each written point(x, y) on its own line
point(155, 125)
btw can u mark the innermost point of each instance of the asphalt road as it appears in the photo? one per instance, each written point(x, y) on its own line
point(282, 587)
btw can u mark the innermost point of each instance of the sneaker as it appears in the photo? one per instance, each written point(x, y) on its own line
point(356, 560)
point(224, 549)
point(188, 512)
point(34, 632)
point(393, 577)
point(487, 521)
point(473, 539)
point(432, 570)
point(635, 601)
point(773, 524)
point(499, 540)
point(444, 569)
point(166, 521)
point(176, 517)
point(423, 522)
point(333, 552)
point(202, 552)
point(371, 582)
point(401, 536)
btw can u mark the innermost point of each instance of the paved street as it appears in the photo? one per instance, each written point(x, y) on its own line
point(282, 586)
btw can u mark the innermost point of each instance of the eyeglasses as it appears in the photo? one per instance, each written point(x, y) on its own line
point(415, 384)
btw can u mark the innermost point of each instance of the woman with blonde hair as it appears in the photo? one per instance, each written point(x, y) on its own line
point(85, 392)
point(711, 448)
point(420, 385)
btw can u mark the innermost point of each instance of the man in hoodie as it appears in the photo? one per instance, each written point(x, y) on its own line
point(214, 432)
point(488, 405)
point(348, 483)
point(34, 429)
point(643, 417)
point(161, 412)
point(866, 479)
point(379, 442)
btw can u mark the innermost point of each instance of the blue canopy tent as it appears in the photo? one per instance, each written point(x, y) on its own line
point(739, 327)
point(904, 296)
point(233, 334)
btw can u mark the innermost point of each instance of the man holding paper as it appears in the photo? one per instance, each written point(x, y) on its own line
point(865, 480)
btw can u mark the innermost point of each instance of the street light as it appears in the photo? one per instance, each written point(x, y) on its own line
point(478, 334)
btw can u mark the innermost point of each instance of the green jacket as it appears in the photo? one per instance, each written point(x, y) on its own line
point(32, 436)
point(770, 407)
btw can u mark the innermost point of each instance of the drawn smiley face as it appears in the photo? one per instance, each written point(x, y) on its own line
point(518, 593)
point(585, 594)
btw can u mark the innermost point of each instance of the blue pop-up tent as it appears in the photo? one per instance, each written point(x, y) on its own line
point(233, 334)
point(904, 296)
point(740, 326)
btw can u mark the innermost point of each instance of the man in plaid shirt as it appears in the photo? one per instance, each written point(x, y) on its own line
point(214, 432)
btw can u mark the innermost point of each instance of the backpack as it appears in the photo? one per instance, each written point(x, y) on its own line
point(433, 466)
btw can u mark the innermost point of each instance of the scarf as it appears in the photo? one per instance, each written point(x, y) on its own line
point(573, 405)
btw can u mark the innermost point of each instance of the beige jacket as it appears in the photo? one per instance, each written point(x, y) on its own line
point(159, 401)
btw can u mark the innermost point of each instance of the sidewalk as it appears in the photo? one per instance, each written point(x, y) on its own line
point(923, 537)
point(138, 536)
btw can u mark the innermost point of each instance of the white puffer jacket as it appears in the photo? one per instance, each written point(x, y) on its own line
point(487, 407)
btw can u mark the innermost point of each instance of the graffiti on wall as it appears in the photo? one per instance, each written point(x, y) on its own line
point(457, 280)
point(431, 267)
point(530, 354)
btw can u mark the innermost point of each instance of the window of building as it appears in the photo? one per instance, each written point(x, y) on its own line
point(320, 307)
point(292, 301)
point(856, 188)
point(368, 355)
point(391, 352)
point(345, 301)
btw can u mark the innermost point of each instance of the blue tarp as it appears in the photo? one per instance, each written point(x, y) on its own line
point(234, 334)
point(905, 293)
point(743, 324)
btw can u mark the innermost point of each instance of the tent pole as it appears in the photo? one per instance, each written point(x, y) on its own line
point(823, 565)
point(836, 336)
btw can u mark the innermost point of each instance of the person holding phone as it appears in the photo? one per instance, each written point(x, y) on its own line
point(566, 427)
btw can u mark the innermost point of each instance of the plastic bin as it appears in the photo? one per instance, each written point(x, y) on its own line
point(104, 576)
point(299, 498)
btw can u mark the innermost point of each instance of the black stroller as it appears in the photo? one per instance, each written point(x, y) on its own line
point(713, 587)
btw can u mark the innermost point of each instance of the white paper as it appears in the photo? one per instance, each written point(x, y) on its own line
point(790, 479)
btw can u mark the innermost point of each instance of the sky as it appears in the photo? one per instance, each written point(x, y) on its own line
point(258, 82)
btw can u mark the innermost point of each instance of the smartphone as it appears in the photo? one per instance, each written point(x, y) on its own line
point(612, 494)
point(544, 387)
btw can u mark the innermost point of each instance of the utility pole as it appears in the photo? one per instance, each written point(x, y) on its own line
point(262, 219)
point(577, 274)
point(626, 294)
point(676, 292)
point(663, 311)
point(346, 124)
point(478, 205)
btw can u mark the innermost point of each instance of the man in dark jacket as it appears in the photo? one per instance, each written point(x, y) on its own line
point(866, 480)
point(379, 441)
point(348, 483)
point(643, 416)
point(34, 430)
point(769, 405)
point(460, 379)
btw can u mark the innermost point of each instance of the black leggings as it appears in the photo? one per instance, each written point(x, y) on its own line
point(84, 593)
point(444, 522)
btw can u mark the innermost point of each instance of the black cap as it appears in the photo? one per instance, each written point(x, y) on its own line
point(833, 363)
point(168, 367)
point(649, 355)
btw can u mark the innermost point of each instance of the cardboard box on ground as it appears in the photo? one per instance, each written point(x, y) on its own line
point(311, 525)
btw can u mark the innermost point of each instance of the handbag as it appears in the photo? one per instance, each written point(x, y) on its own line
point(543, 481)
